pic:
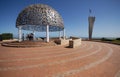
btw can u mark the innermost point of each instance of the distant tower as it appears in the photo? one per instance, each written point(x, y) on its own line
point(91, 20)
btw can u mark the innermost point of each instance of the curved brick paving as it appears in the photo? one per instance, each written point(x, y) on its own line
point(55, 62)
point(39, 54)
point(91, 59)
point(117, 74)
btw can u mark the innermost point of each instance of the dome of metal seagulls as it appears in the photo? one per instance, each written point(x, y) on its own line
point(37, 16)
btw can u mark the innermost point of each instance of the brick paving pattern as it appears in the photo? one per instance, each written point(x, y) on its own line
point(91, 59)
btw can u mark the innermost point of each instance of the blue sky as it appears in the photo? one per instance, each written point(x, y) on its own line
point(74, 13)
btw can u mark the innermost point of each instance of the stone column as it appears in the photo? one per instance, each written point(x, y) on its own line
point(47, 33)
point(64, 33)
point(19, 33)
point(59, 34)
point(33, 35)
point(91, 20)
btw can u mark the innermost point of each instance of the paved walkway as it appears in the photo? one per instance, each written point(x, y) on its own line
point(91, 59)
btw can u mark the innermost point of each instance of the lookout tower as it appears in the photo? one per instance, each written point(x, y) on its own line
point(91, 20)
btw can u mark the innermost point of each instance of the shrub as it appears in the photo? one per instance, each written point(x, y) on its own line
point(117, 38)
point(0, 37)
point(6, 36)
point(105, 39)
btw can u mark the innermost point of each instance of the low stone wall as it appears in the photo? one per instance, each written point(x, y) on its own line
point(62, 42)
point(12, 40)
point(75, 43)
point(26, 43)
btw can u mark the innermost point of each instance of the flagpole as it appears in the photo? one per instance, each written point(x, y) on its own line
point(90, 12)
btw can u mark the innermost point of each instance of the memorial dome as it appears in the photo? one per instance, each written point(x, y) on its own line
point(37, 16)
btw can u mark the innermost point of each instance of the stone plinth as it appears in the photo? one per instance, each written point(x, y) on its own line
point(62, 42)
point(75, 43)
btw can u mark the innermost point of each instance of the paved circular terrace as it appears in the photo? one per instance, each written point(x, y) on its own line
point(92, 59)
